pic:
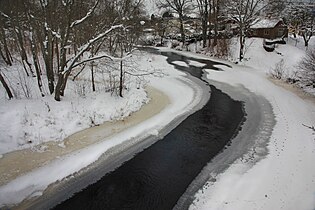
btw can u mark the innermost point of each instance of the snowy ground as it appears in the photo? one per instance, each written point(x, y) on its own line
point(29, 119)
point(173, 84)
point(27, 123)
point(291, 54)
point(285, 178)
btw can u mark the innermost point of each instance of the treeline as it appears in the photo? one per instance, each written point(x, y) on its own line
point(52, 37)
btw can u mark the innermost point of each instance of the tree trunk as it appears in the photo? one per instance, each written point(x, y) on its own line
point(92, 70)
point(6, 87)
point(64, 84)
point(182, 32)
point(121, 71)
point(307, 35)
point(58, 86)
point(306, 40)
point(48, 59)
point(209, 20)
point(215, 22)
point(18, 33)
point(37, 68)
point(34, 52)
point(49, 62)
point(92, 74)
point(57, 54)
point(242, 45)
point(205, 24)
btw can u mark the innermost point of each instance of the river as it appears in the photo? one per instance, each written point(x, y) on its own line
point(158, 176)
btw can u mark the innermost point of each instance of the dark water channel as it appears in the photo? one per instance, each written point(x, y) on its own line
point(157, 177)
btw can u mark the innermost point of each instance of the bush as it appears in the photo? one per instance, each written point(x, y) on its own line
point(307, 66)
point(278, 71)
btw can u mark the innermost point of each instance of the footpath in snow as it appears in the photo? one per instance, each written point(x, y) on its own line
point(285, 177)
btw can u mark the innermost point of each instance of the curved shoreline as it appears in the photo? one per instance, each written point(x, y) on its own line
point(19, 162)
point(115, 163)
point(116, 155)
point(294, 89)
point(219, 108)
point(249, 145)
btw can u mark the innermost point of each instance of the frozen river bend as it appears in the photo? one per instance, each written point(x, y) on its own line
point(168, 170)
point(211, 165)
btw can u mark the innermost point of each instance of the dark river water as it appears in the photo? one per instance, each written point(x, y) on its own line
point(157, 177)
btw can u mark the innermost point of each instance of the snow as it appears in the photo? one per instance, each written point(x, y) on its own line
point(73, 60)
point(259, 59)
point(152, 8)
point(173, 84)
point(285, 178)
point(26, 123)
point(265, 23)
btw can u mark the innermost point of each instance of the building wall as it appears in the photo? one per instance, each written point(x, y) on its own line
point(269, 33)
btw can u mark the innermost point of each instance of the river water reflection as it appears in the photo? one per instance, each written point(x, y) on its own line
point(157, 177)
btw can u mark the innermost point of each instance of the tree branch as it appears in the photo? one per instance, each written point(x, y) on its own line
point(85, 47)
point(88, 14)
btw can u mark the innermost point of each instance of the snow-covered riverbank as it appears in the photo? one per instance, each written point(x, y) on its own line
point(285, 178)
point(173, 85)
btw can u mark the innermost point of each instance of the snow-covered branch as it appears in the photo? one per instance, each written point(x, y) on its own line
point(104, 55)
point(54, 33)
point(4, 15)
point(140, 74)
point(88, 14)
point(85, 47)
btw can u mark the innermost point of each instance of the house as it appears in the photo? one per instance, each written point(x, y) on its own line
point(269, 29)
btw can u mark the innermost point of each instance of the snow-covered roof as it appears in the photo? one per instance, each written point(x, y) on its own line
point(265, 23)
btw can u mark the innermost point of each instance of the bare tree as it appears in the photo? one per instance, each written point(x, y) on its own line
point(244, 13)
point(300, 16)
point(14, 16)
point(307, 66)
point(33, 47)
point(67, 34)
point(45, 34)
point(181, 7)
point(214, 13)
point(307, 26)
point(5, 85)
point(203, 12)
point(276, 8)
point(4, 49)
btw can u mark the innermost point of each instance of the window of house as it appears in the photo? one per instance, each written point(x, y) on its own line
point(280, 31)
point(266, 32)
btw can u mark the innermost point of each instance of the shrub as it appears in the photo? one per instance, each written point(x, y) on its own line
point(278, 71)
point(307, 66)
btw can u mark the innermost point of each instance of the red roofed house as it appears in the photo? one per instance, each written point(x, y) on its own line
point(269, 29)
